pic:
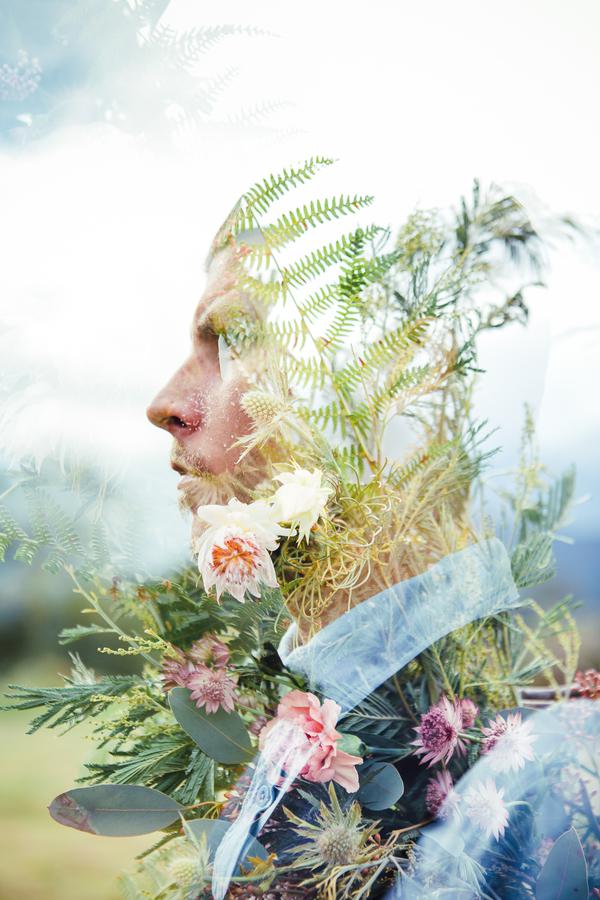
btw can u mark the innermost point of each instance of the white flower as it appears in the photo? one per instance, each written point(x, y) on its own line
point(509, 742)
point(233, 551)
point(256, 518)
point(485, 808)
point(301, 499)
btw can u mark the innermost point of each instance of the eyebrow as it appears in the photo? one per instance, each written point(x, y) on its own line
point(202, 322)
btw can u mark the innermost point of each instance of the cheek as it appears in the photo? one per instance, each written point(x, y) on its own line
point(225, 415)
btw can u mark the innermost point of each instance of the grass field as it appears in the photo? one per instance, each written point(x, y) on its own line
point(41, 860)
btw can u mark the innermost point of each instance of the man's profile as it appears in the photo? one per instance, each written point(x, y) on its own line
point(200, 406)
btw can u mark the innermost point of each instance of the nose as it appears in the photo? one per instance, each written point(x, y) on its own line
point(160, 414)
point(176, 408)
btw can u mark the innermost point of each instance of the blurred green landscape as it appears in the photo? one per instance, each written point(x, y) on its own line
point(42, 860)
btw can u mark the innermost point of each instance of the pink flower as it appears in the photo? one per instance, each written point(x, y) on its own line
point(485, 808)
point(440, 797)
point(469, 712)
point(209, 650)
point(176, 670)
point(331, 764)
point(212, 688)
point(438, 733)
point(316, 722)
point(587, 684)
point(511, 741)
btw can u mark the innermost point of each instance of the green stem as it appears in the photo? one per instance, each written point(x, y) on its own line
point(445, 678)
point(403, 699)
point(93, 600)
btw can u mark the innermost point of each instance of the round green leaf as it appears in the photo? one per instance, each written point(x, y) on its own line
point(220, 735)
point(564, 874)
point(381, 785)
point(118, 810)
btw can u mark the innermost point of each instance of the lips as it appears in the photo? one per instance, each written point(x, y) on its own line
point(186, 468)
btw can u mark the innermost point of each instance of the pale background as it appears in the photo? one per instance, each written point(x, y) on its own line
point(104, 232)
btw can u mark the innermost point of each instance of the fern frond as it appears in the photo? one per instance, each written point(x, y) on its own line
point(186, 48)
point(318, 303)
point(286, 334)
point(264, 193)
point(318, 261)
point(296, 222)
point(330, 415)
point(10, 531)
point(309, 373)
point(348, 315)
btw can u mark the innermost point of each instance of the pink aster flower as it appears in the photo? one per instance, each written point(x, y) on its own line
point(209, 651)
point(212, 688)
point(316, 723)
point(440, 797)
point(176, 670)
point(469, 712)
point(486, 809)
point(587, 684)
point(510, 740)
point(438, 733)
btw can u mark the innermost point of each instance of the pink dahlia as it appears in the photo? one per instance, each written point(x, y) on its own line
point(438, 733)
point(209, 651)
point(511, 741)
point(440, 797)
point(212, 688)
point(332, 764)
point(316, 720)
point(469, 712)
point(316, 723)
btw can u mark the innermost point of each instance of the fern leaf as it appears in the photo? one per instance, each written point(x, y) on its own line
point(262, 194)
point(295, 223)
point(309, 373)
point(318, 303)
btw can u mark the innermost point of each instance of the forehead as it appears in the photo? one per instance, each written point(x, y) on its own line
point(219, 289)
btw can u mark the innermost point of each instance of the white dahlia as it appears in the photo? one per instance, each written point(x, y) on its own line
point(233, 552)
point(301, 499)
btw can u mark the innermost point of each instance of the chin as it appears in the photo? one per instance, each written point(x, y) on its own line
point(202, 488)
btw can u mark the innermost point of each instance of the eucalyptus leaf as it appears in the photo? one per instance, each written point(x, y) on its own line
point(117, 810)
point(221, 735)
point(564, 874)
point(381, 785)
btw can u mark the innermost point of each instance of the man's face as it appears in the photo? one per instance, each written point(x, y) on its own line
point(200, 405)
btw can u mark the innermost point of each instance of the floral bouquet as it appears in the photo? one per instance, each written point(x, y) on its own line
point(350, 693)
